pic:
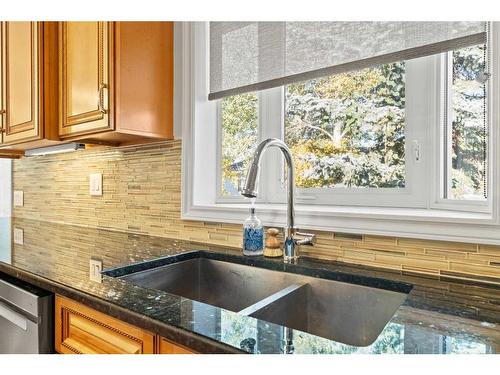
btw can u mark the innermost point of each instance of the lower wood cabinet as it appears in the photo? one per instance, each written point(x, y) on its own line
point(167, 347)
point(82, 330)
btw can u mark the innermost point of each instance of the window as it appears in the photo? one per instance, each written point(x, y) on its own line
point(415, 153)
point(466, 125)
point(239, 135)
point(348, 130)
point(359, 138)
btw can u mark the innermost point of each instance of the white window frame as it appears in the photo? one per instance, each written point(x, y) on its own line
point(418, 75)
point(436, 220)
point(443, 72)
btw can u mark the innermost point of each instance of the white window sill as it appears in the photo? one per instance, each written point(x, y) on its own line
point(398, 222)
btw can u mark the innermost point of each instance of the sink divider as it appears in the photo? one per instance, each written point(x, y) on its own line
point(272, 298)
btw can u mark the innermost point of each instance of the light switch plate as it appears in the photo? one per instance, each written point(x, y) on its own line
point(18, 198)
point(95, 270)
point(95, 184)
point(18, 236)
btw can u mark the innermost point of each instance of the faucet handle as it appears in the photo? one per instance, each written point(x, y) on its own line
point(309, 238)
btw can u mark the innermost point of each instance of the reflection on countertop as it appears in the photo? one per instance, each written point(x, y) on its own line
point(439, 316)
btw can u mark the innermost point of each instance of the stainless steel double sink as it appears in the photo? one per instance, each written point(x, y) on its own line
point(348, 313)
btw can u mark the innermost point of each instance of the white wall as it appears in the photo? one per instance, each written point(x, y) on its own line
point(5, 188)
point(5, 209)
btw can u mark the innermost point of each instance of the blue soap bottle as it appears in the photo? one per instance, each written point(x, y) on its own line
point(253, 235)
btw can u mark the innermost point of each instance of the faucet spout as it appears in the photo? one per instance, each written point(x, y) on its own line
point(250, 190)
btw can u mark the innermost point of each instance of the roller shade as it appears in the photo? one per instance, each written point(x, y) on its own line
point(250, 56)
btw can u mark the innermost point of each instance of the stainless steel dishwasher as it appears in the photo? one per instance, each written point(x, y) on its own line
point(26, 318)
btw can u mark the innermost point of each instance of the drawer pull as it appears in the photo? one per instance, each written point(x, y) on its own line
point(13, 317)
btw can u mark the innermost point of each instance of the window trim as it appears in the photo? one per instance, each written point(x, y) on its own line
point(199, 204)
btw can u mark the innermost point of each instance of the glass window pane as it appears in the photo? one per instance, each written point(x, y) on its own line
point(348, 130)
point(239, 126)
point(468, 138)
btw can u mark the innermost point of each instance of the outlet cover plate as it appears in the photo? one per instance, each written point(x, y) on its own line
point(95, 270)
point(95, 184)
point(18, 198)
point(18, 236)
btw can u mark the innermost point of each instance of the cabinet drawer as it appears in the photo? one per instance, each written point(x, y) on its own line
point(82, 330)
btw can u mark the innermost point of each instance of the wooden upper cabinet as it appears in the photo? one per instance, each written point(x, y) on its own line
point(24, 81)
point(91, 82)
point(20, 72)
point(84, 77)
point(28, 85)
point(116, 81)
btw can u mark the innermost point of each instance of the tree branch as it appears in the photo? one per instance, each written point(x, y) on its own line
point(322, 131)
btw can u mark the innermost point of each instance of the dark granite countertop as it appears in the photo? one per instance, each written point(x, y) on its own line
point(438, 316)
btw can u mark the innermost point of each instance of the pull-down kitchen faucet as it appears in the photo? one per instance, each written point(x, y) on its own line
point(250, 191)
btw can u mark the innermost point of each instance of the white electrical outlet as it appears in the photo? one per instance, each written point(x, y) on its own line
point(18, 236)
point(95, 270)
point(95, 184)
point(18, 198)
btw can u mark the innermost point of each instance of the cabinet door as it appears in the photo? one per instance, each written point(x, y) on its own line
point(168, 347)
point(20, 81)
point(82, 330)
point(85, 53)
